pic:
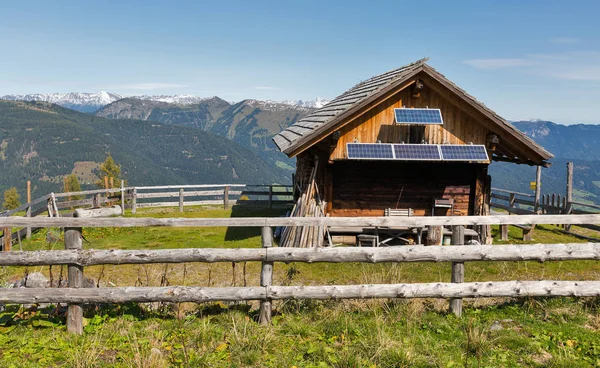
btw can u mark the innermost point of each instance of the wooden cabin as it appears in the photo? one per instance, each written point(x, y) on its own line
point(366, 114)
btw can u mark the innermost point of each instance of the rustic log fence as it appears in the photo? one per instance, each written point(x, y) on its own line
point(211, 194)
point(128, 198)
point(77, 259)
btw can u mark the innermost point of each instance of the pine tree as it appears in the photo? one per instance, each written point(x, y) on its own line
point(72, 185)
point(12, 199)
point(109, 169)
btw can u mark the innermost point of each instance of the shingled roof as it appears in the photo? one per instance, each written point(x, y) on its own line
point(323, 116)
point(303, 131)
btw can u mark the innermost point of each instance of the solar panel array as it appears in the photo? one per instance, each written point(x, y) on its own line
point(464, 153)
point(417, 152)
point(370, 151)
point(429, 152)
point(418, 116)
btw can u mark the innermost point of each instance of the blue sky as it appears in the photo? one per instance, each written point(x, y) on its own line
point(524, 59)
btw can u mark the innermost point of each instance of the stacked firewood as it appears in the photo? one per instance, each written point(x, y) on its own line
point(309, 204)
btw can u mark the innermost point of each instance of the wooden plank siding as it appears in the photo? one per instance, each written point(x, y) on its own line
point(368, 188)
point(377, 124)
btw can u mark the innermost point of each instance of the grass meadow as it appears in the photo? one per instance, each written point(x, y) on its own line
point(494, 332)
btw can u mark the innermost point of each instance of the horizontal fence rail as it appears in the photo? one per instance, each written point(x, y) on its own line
point(178, 294)
point(302, 221)
point(467, 253)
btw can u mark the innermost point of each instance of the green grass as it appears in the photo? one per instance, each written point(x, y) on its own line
point(379, 333)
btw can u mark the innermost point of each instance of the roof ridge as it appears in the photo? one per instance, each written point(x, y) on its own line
point(404, 67)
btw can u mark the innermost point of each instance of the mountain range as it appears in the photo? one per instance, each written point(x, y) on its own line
point(44, 142)
point(248, 126)
point(90, 102)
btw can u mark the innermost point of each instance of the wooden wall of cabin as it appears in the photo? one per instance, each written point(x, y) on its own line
point(378, 124)
point(367, 188)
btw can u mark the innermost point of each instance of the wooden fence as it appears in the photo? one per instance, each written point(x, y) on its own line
point(146, 196)
point(76, 259)
point(211, 194)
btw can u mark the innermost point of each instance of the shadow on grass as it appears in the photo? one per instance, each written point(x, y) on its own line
point(249, 210)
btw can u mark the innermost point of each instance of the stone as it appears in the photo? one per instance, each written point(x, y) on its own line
point(35, 280)
point(496, 326)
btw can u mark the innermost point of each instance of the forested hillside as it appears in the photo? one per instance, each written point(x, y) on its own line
point(251, 123)
point(42, 142)
point(578, 143)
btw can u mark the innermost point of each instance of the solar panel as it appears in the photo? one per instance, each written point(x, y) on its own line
point(464, 152)
point(380, 151)
point(421, 152)
point(418, 116)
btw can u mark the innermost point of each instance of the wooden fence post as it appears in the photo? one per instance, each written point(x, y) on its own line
point(28, 233)
point(96, 201)
point(180, 199)
point(538, 187)
point(134, 201)
point(122, 197)
point(7, 239)
point(569, 207)
point(226, 199)
point(458, 268)
point(270, 196)
point(503, 232)
point(75, 280)
point(266, 277)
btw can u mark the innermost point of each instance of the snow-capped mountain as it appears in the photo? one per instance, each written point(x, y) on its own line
point(316, 103)
point(91, 102)
point(176, 99)
point(80, 101)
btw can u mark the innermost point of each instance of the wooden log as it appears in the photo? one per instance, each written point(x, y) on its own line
point(25, 206)
point(538, 187)
point(106, 182)
point(75, 280)
point(266, 276)
point(434, 235)
point(98, 212)
point(465, 253)
point(393, 221)
point(157, 187)
point(122, 197)
point(188, 203)
point(96, 201)
point(134, 201)
point(180, 294)
point(181, 200)
point(458, 269)
point(201, 193)
point(28, 234)
point(226, 198)
point(88, 192)
point(512, 191)
point(29, 228)
point(504, 232)
point(569, 192)
point(271, 196)
point(7, 239)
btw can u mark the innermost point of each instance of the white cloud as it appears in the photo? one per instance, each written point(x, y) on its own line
point(267, 88)
point(499, 63)
point(565, 40)
point(148, 86)
point(571, 65)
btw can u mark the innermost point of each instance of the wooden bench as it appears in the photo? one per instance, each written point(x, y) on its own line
point(527, 229)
